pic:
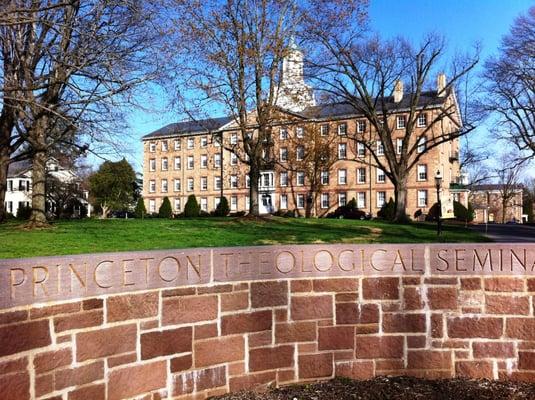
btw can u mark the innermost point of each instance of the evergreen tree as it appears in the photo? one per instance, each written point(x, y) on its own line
point(165, 210)
point(140, 210)
point(192, 209)
point(222, 209)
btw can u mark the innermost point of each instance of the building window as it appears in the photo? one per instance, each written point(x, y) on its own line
point(178, 163)
point(152, 147)
point(361, 149)
point(177, 205)
point(246, 203)
point(233, 159)
point(399, 145)
point(300, 201)
point(300, 178)
point(10, 182)
point(247, 181)
point(300, 153)
point(204, 161)
point(191, 162)
point(191, 184)
point(342, 151)
point(361, 126)
point(342, 129)
point(361, 175)
point(283, 178)
point(217, 160)
point(422, 120)
point(283, 133)
point(380, 148)
point(324, 130)
point(361, 200)
point(342, 199)
point(165, 164)
point(342, 176)
point(204, 141)
point(216, 140)
point(178, 145)
point(234, 138)
point(152, 206)
point(299, 132)
point(422, 198)
point(217, 183)
point(164, 186)
point(152, 186)
point(381, 177)
point(177, 185)
point(204, 183)
point(284, 201)
point(400, 122)
point(283, 152)
point(152, 164)
point(234, 181)
point(422, 172)
point(381, 199)
point(191, 143)
point(165, 145)
point(324, 177)
point(422, 144)
point(204, 204)
point(233, 203)
point(325, 200)
point(217, 200)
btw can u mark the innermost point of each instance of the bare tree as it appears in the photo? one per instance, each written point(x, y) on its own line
point(508, 172)
point(309, 152)
point(79, 63)
point(510, 85)
point(369, 73)
point(231, 58)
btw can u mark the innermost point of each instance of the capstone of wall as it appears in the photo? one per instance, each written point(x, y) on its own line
point(184, 324)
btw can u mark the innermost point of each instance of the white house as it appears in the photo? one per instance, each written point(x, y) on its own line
point(19, 184)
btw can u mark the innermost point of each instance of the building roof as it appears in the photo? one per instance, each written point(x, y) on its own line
point(187, 127)
point(491, 187)
point(18, 167)
point(329, 110)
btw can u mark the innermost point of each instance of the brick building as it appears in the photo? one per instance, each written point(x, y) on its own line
point(488, 204)
point(187, 157)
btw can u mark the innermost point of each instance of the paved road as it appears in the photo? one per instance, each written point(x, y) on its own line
point(510, 233)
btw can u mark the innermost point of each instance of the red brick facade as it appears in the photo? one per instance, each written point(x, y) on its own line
point(209, 339)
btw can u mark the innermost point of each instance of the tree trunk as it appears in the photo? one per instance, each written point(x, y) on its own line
point(254, 176)
point(504, 209)
point(38, 216)
point(4, 166)
point(400, 199)
point(105, 211)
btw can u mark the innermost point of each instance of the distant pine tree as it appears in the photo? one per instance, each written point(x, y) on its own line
point(192, 209)
point(165, 210)
point(222, 209)
point(140, 210)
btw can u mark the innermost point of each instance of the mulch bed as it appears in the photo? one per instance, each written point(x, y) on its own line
point(396, 388)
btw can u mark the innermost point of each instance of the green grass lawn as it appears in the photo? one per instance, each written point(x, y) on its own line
point(93, 235)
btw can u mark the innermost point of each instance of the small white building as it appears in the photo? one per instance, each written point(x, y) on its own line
point(19, 184)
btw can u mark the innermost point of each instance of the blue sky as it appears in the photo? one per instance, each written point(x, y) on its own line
point(463, 22)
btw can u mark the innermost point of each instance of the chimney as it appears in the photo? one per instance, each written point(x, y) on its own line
point(441, 85)
point(398, 91)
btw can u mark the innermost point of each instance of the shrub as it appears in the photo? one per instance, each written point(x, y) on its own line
point(432, 215)
point(222, 209)
point(140, 210)
point(388, 211)
point(192, 208)
point(349, 211)
point(471, 213)
point(460, 211)
point(165, 210)
point(24, 213)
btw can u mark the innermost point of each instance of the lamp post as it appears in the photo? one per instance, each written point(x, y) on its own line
point(438, 184)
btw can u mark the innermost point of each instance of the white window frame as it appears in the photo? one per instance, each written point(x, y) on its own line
point(421, 173)
point(178, 144)
point(217, 183)
point(234, 181)
point(361, 126)
point(378, 199)
point(380, 175)
point(342, 129)
point(204, 204)
point(399, 145)
point(152, 186)
point(361, 179)
point(234, 138)
point(178, 163)
point(421, 121)
point(424, 198)
point(283, 133)
point(177, 185)
point(324, 129)
point(400, 122)
point(300, 199)
point(300, 178)
point(233, 159)
point(164, 186)
point(191, 184)
point(204, 161)
point(152, 164)
point(342, 199)
point(152, 206)
point(191, 162)
point(165, 164)
point(342, 176)
point(217, 160)
point(152, 147)
point(283, 154)
point(204, 141)
point(300, 153)
point(191, 143)
point(283, 201)
point(204, 183)
point(247, 181)
point(361, 149)
point(233, 203)
point(361, 200)
point(283, 179)
point(380, 148)
point(325, 175)
point(178, 204)
point(324, 200)
point(342, 151)
point(422, 144)
point(165, 145)
point(299, 132)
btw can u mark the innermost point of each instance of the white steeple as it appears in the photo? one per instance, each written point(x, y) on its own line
point(294, 94)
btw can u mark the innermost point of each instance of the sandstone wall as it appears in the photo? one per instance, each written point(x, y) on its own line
point(382, 317)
